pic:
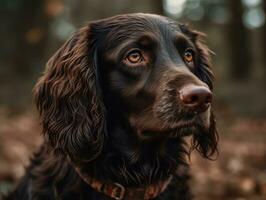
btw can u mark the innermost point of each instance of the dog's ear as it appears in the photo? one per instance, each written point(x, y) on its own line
point(68, 97)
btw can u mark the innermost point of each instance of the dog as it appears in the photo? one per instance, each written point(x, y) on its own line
point(116, 102)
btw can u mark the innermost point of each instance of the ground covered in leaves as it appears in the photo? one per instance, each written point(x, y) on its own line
point(239, 173)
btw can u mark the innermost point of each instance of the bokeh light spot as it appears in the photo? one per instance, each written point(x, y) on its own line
point(254, 18)
point(174, 7)
point(63, 29)
point(251, 3)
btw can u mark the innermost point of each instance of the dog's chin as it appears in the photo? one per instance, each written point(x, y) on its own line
point(179, 131)
point(180, 128)
point(184, 131)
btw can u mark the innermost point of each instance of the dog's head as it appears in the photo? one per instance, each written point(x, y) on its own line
point(141, 70)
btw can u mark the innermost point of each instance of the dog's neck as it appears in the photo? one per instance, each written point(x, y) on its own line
point(133, 162)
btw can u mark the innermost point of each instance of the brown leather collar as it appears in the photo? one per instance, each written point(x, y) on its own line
point(119, 192)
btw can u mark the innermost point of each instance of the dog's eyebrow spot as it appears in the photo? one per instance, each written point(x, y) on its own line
point(182, 41)
point(148, 40)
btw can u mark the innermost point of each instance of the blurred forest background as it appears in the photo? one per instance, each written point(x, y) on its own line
point(31, 31)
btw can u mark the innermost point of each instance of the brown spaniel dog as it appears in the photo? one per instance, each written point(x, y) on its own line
point(116, 101)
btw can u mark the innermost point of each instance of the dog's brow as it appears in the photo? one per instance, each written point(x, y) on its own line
point(147, 39)
point(182, 39)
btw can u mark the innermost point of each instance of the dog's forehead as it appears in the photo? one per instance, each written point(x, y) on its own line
point(133, 26)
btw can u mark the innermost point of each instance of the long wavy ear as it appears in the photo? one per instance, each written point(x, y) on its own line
point(69, 99)
point(207, 140)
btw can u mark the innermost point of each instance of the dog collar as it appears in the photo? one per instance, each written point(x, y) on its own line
point(119, 192)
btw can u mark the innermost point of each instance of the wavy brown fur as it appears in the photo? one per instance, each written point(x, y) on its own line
point(115, 122)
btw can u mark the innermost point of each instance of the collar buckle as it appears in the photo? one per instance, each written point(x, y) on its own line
point(118, 193)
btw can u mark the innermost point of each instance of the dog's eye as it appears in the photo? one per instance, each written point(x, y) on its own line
point(188, 56)
point(134, 56)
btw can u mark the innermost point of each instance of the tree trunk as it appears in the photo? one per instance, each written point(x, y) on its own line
point(238, 43)
point(264, 44)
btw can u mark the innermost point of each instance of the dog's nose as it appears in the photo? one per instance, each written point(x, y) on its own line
point(195, 97)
